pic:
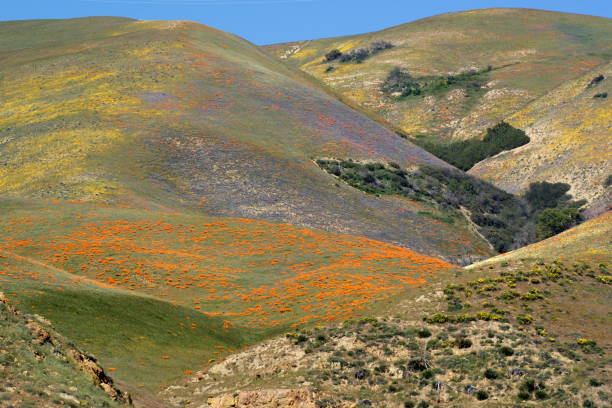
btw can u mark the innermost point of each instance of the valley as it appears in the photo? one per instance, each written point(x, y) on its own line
point(414, 217)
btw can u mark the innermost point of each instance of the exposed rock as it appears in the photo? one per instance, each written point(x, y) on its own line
point(273, 398)
point(85, 363)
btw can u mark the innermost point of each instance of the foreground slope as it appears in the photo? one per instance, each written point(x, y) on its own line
point(530, 52)
point(529, 328)
point(570, 142)
point(179, 115)
point(38, 367)
point(153, 294)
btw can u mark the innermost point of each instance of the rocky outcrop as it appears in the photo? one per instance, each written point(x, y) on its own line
point(272, 398)
point(42, 332)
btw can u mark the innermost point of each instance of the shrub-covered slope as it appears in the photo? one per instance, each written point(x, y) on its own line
point(587, 242)
point(571, 142)
point(530, 52)
point(520, 332)
point(180, 115)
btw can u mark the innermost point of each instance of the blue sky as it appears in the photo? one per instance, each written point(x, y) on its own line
point(270, 21)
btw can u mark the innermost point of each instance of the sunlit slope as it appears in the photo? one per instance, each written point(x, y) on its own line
point(588, 242)
point(530, 51)
point(153, 294)
point(571, 141)
point(179, 115)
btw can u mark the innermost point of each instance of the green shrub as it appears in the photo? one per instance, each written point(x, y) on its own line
point(508, 295)
point(506, 351)
point(424, 333)
point(593, 382)
point(533, 294)
point(466, 153)
point(332, 55)
point(400, 81)
point(524, 319)
point(491, 374)
point(463, 342)
point(543, 195)
point(501, 218)
point(552, 221)
point(482, 395)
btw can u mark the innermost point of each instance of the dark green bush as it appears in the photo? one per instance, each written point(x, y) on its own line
point(332, 55)
point(358, 54)
point(594, 382)
point(463, 342)
point(482, 395)
point(543, 195)
point(491, 374)
point(424, 333)
point(599, 78)
point(552, 221)
point(401, 81)
point(465, 154)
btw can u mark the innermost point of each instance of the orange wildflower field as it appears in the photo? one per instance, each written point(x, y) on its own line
point(249, 273)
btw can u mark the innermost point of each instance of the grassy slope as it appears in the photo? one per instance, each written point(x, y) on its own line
point(155, 293)
point(534, 50)
point(179, 115)
point(573, 304)
point(569, 131)
point(34, 373)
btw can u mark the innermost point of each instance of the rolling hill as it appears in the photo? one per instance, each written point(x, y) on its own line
point(155, 295)
point(530, 52)
point(172, 196)
point(180, 116)
point(528, 328)
point(570, 142)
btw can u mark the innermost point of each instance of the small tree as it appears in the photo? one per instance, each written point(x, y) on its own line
point(399, 80)
point(333, 55)
point(552, 221)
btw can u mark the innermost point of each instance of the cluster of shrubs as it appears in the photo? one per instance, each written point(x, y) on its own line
point(401, 82)
point(359, 54)
point(552, 208)
point(599, 78)
point(501, 217)
point(464, 154)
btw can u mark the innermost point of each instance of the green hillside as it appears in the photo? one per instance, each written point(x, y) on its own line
point(39, 367)
point(530, 52)
point(176, 115)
